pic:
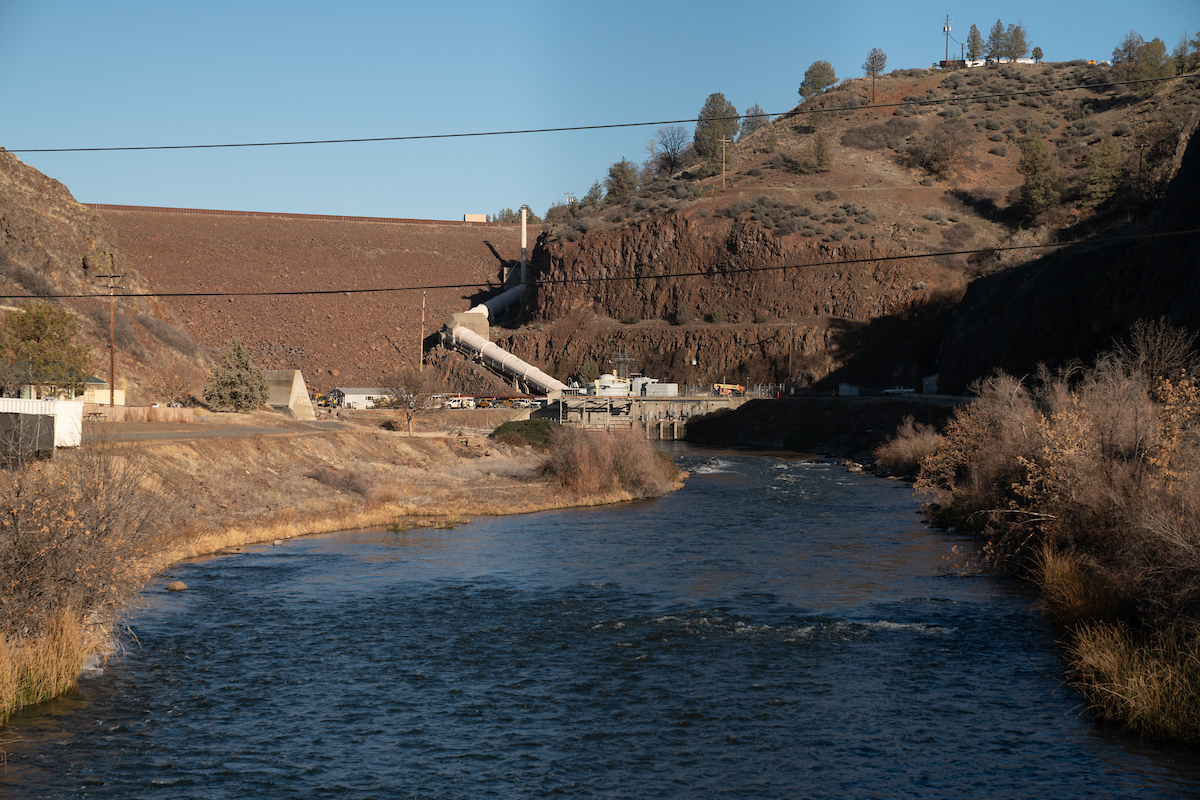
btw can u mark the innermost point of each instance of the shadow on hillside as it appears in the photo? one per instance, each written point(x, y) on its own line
point(899, 349)
point(507, 265)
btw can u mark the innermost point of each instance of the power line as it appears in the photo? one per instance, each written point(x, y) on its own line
point(619, 278)
point(790, 113)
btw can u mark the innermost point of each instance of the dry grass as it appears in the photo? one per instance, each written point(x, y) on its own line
point(901, 454)
point(36, 669)
point(1147, 682)
point(1076, 591)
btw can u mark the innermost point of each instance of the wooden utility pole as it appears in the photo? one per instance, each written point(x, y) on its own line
point(724, 141)
point(653, 166)
point(421, 341)
point(112, 338)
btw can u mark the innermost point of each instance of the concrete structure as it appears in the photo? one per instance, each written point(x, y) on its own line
point(286, 389)
point(67, 414)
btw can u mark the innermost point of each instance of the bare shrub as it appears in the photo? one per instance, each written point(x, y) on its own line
point(70, 532)
point(941, 150)
point(599, 463)
point(901, 454)
point(581, 463)
point(879, 136)
point(348, 479)
point(171, 335)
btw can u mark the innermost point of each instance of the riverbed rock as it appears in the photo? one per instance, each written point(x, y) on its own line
point(177, 586)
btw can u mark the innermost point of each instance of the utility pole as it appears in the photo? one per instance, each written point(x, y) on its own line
point(421, 341)
point(946, 30)
point(724, 141)
point(653, 166)
point(112, 338)
point(524, 258)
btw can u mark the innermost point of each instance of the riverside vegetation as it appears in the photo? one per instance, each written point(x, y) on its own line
point(80, 535)
point(1087, 482)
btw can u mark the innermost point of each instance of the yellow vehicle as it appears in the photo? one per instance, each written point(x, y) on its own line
point(728, 389)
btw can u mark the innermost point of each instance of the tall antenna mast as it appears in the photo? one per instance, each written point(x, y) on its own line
point(946, 30)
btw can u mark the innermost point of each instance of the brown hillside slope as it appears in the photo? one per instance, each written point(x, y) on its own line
point(50, 245)
point(336, 339)
point(1076, 302)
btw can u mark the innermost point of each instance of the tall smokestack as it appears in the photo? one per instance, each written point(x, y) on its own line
point(524, 260)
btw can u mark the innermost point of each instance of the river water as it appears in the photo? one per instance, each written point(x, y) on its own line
point(778, 628)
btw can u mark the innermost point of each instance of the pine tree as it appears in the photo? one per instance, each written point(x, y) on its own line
point(997, 44)
point(1016, 45)
point(622, 179)
point(1104, 173)
point(718, 120)
point(752, 120)
point(40, 348)
point(876, 63)
point(975, 46)
point(817, 78)
point(1037, 54)
point(595, 195)
point(236, 382)
point(1040, 191)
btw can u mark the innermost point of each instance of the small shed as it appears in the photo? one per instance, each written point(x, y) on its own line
point(67, 415)
point(847, 390)
point(352, 397)
point(929, 384)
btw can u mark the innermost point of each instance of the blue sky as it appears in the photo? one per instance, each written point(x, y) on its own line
point(89, 74)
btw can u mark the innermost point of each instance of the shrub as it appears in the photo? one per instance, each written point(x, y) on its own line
point(901, 454)
point(171, 335)
point(631, 320)
point(71, 535)
point(683, 314)
point(591, 464)
point(999, 150)
point(718, 315)
point(348, 479)
point(827, 196)
point(236, 382)
point(536, 433)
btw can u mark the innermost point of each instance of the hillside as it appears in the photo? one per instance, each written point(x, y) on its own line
point(814, 264)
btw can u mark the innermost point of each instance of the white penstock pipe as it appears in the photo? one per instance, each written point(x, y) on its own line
point(506, 362)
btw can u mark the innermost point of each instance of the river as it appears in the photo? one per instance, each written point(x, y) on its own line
point(777, 628)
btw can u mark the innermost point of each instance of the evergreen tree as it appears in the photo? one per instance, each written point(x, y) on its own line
point(718, 120)
point(876, 63)
point(236, 382)
point(1037, 54)
point(1016, 43)
point(1124, 55)
point(621, 181)
point(1105, 172)
point(997, 44)
point(39, 346)
point(975, 46)
point(1150, 62)
point(595, 195)
point(1040, 191)
point(752, 120)
point(817, 78)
